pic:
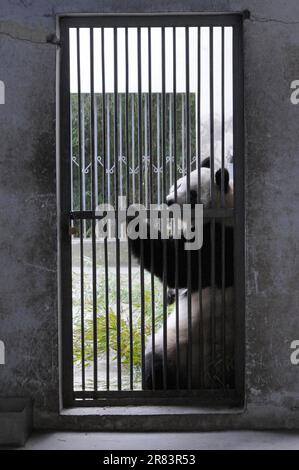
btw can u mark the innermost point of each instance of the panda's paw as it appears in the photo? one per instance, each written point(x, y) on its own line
point(155, 382)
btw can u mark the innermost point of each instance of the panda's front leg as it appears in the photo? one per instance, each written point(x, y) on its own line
point(151, 250)
point(143, 248)
point(165, 258)
point(153, 365)
point(154, 369)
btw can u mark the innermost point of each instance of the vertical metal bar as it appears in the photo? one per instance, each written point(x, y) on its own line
point(158, 150)
point(104, 140)
point(116, 189)
point(177, 311)
point(145, 151)
point(133, 146)
point(170, 151)
point(64, 237)
point(212, 306)
point(83, 162)
point(151, 195)
point(188, 144)
point(142, 324)
point(201, 361)
point(183, 133)
point(96, 172)
point(129, 202)
point(71, 154)
point(120, 145)
point(163, 198)
point(223, 312)
point(81, 202)
point(93, 208)
point(108, 149)
point(239, 255)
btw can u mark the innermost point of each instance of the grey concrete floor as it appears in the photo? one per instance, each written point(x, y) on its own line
point(233, 440)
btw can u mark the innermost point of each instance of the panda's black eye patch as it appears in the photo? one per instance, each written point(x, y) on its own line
point(225, 179)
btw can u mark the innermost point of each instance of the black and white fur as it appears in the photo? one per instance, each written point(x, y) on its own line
point(177, 272)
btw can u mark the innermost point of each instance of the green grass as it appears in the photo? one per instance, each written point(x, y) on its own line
point(112, 317)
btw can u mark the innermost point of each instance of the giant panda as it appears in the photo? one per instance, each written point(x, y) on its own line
point(176, 374)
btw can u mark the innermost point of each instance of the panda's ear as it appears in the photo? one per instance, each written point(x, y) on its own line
point(226, 179)
point(206, 163)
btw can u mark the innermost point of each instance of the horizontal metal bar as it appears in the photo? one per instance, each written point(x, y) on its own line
point(202, 394)
point(204, 19)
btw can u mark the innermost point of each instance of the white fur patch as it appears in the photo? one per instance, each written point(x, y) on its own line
point(200, 321)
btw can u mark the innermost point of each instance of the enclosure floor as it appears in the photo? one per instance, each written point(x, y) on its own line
point(251, 440)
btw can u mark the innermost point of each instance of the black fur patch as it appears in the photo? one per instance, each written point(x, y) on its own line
point(155, 262)
point(206, 163)
point(225, 179)
point(158, 382)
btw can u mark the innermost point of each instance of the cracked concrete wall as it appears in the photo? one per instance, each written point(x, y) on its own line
point(28, 279)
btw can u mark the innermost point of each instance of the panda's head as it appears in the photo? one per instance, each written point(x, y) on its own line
point(205, 183)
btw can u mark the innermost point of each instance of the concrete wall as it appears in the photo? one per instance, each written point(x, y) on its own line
point(28, 279)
